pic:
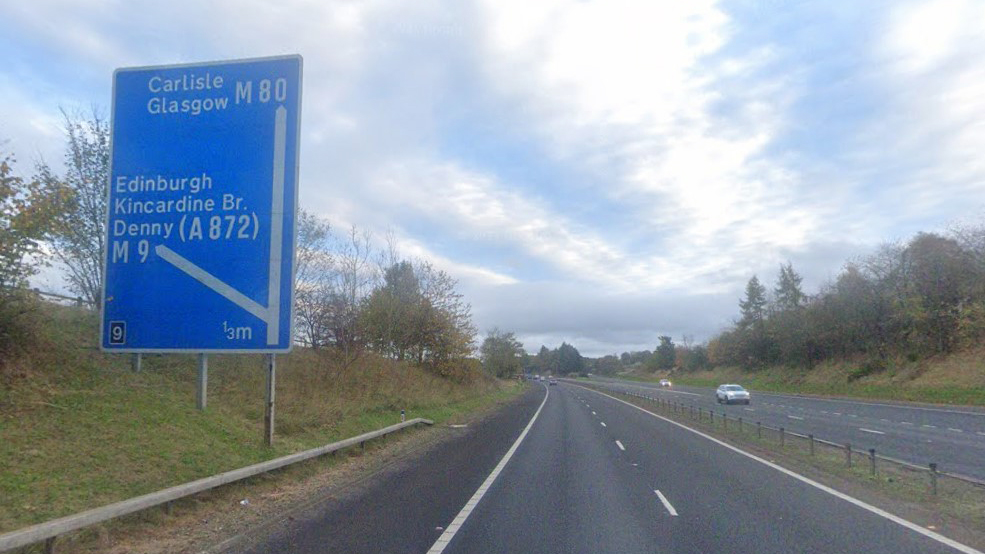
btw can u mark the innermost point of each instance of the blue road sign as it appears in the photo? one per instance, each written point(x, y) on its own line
point(202, 207)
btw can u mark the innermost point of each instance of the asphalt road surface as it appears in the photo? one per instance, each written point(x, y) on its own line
point(953, 438)
point(591, 474)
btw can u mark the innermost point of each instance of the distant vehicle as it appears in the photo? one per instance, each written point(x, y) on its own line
point(731, 393)
point(553, 381)
point(665, 382)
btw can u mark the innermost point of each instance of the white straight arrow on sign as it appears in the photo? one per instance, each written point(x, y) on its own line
point(271, 313)
point(276, 225)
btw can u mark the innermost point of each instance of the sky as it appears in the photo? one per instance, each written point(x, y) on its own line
point(600, 173)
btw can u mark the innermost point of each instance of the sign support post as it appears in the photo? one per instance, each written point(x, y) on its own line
point(201, 396)
point(268, 415)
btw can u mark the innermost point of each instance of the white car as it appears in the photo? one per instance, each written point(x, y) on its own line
point(665, 382)
point(731, 393)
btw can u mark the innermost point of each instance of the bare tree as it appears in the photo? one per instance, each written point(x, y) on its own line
point(313, 268)
point(352, 279)
point(77, 235)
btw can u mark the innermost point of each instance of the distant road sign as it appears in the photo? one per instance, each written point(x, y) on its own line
point(202, 207)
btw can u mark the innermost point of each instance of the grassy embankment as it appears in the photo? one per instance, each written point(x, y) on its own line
point(956, 379)
point(79, 429)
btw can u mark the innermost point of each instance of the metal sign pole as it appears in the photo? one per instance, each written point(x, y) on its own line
point(268, 416)
point(201, 396)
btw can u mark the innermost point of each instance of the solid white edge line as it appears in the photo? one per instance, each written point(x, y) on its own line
point(852, 500)
point(666, 503)
point(621, 447)
point(445, 539)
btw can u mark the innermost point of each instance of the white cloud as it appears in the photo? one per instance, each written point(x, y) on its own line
point(674, 131)
point(934, 89)
point(629, 92)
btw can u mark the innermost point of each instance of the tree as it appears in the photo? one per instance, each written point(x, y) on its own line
point(546, 360)
point(313, 265)
point(501, 354)
point(753, 306)
point(352, 278)
point(752, 326)
point(416, 313)
point(76, 236)
point(26, 212)
point(665, 355)
point(569, 359)
point(393, 313)
point(941, 278)
point(608, 365)
point(789, 295)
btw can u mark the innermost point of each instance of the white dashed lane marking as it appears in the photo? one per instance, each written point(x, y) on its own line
point(873, 431)
point(621, 447)
point(666, 503)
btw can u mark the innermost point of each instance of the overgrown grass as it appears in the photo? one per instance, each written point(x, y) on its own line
point(957, 379)
point(79, 429)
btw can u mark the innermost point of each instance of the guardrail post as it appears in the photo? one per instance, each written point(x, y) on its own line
point(933, 479)
point(740, 425)
point(810, 438)
point(725, 420)
point(848, 455)
point(782, 436)
point(759, 430)
point(49, 543)
point(711, 417)
point(169, 508)
point(872, 461)
point(137, 361)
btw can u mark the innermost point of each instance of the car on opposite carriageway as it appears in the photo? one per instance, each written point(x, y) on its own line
point(730, 393)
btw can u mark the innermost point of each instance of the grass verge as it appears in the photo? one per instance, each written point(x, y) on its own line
point(955, 380)
point(79, 429)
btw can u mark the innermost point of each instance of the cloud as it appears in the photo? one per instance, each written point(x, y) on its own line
point(929, 133)
point(594, 172)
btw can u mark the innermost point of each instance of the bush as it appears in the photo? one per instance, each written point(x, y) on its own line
point(868, 368)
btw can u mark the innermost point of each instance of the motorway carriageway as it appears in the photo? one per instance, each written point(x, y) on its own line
point(953, 438)
point(570, 470)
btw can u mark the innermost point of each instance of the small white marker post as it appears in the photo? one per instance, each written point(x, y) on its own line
point(268, 416)
point(201, 390)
